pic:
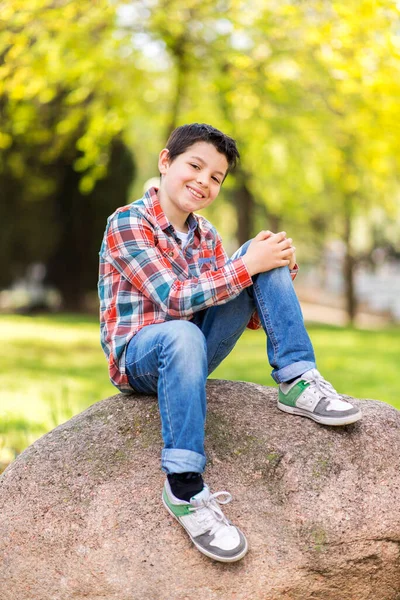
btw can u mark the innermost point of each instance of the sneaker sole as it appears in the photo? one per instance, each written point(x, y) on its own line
point(203, 550)
point(334, 421)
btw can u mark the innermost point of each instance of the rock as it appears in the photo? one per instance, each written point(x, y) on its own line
point(81, 516)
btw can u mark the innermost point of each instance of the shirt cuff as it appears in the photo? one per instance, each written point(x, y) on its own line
point(294, 271)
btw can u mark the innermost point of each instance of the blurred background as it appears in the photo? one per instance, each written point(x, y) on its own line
point(89, 92)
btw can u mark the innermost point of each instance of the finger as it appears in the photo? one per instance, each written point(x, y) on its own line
point(267, 234)
point(280, 236)
point(263, 235)
point(286, 243)
point(285, 263)
point(287, 253)
point(283, 247)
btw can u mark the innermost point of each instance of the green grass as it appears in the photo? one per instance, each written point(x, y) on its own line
point(52, 367)
point(359, 363)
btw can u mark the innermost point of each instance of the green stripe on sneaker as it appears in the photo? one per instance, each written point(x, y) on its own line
point(179, 510)
point(290, 398)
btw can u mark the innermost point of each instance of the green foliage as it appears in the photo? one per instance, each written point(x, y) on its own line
point(309, 89)
point(310, 92)
point(63, 164)
point(58, 79)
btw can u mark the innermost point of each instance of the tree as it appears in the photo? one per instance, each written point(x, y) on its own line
point(313, 103)
point(63, 109)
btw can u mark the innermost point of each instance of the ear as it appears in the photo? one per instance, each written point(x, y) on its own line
point(163, 161)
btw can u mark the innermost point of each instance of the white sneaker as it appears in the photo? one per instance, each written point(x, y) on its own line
point(312, 396)
point(208, 528)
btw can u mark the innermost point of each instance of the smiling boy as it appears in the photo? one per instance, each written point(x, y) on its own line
point(172, 307)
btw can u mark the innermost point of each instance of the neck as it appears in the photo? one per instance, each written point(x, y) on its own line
point(177, 219)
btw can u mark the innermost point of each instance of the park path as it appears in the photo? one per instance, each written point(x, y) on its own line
point(329, 315)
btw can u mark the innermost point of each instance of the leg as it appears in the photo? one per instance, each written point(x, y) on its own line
point(169, 359)
point(289, 348)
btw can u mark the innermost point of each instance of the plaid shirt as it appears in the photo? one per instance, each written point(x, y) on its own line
point(146, 277)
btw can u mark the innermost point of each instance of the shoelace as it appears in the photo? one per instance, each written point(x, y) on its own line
point(323, 386)
point(213, 517)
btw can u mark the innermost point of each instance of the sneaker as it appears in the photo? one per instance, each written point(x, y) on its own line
point(312, 396)
point(208, 528)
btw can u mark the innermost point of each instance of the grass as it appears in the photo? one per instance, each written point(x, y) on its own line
point(53, 367)
point(360, 363)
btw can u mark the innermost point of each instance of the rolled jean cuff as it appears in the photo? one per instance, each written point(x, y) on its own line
point(292, 371)
point(177, 460)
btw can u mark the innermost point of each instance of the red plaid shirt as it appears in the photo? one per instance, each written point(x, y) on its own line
point(146, 277)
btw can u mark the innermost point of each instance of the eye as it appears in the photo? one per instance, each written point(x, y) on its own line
point(216, 179)
point(194, 165)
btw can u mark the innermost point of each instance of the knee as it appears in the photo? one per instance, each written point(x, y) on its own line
point(242, 250)
point(278, 278)
point(281, 275)
point(185, 340)
point(184, 352)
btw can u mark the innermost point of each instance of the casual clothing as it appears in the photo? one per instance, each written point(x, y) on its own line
point(208, 528)
point(171, 314)
point(146, 277)
point(174, 358)
point(172, 307)
point(182, 236)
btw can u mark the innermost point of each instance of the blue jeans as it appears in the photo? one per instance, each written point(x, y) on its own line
point(173, 359)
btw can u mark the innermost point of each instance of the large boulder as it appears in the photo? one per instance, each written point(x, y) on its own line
point(81, 515)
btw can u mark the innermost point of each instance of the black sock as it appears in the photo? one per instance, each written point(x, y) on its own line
point(291, 380)
point(185, 485)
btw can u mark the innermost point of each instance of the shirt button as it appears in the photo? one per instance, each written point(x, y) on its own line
point(171, 253)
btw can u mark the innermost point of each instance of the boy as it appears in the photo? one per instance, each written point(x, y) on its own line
point(173, 306)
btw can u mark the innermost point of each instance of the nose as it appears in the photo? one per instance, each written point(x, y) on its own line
point(203, 179)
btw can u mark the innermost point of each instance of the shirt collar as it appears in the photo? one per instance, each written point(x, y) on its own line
point(152, 203)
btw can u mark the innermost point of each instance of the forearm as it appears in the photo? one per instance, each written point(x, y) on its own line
point(154, 277)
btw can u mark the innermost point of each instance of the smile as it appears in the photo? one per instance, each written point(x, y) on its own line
point(195, 194)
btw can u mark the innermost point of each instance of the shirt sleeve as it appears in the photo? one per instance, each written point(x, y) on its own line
point(221, 256)
point(131, 249)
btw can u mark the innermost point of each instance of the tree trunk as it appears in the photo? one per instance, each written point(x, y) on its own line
point(180, 55)
point(80, 220)
point(244, 203)
point(349, 265)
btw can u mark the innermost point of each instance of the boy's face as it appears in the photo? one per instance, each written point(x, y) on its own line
point(192, 181)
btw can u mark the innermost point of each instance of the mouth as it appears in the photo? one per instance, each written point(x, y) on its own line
point(195, 193)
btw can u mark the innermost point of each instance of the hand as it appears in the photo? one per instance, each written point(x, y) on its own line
point(269, 251)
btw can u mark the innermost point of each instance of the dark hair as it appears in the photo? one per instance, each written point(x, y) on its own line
point(186, 135)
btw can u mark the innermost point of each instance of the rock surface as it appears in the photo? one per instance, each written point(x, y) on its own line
point(81, 516)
